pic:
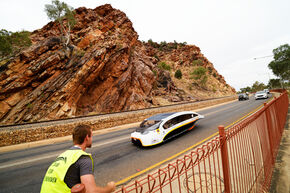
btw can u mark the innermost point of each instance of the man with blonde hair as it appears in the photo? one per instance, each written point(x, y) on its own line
point(74, 166)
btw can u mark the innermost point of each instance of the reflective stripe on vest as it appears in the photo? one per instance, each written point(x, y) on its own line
point(53, 181)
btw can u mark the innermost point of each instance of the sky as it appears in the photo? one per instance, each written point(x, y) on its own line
point(230, 33)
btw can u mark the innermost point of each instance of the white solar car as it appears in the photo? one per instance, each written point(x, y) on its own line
point(161, 127)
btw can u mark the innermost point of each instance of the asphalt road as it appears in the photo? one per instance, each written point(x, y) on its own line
point(115, 157)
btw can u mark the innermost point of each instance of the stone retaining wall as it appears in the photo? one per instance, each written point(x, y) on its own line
point(17, 136)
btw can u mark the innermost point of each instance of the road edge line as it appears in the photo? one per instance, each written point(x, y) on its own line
point(183, 151)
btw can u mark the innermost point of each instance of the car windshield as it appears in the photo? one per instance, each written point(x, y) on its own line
point(260, 92)
point(153, 127)
point(150, 125)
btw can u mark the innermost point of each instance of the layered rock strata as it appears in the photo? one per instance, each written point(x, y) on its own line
point(106, 69)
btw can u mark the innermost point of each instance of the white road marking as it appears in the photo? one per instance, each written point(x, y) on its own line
point(110, 141)
point(94, 145)
point(55, 154)
point(206, 114)
point(30, 160)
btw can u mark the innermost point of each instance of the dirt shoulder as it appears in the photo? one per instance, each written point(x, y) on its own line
point(281, 173)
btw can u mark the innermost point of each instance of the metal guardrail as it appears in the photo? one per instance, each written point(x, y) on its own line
point(23, 133)
point(56, 121)
point(239, 160)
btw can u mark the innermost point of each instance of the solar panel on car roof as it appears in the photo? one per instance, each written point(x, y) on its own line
point(160, 116)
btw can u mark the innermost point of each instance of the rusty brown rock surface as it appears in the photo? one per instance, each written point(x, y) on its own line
point(107, 69)
point(104, 73)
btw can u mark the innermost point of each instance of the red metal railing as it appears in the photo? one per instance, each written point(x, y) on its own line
point(241, 159)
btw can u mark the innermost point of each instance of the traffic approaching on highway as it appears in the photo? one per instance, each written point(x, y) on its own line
point(261, 95)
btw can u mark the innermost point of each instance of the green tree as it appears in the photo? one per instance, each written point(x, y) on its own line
point(20, 40)
point(246, 89)
point(258, 86)
point(178, 74)
point(64, 15)
point(281, 63)
point(5, 43)
point(274, 83)
point(199, 74)
point(152, 43)
point(12, 43)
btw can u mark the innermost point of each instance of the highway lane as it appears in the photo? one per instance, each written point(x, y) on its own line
point(115, 158)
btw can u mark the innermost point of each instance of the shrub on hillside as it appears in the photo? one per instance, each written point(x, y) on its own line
point(197, 62)
point(209, 69)
point(200, 75)
point(178, 74)
point(164, 66)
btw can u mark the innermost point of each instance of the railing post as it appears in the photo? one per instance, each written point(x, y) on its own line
point(225, 158)
point(269, 130)
point(278, 115)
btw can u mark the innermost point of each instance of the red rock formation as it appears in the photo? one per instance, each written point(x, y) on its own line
point(107, 70)
point(186, 58)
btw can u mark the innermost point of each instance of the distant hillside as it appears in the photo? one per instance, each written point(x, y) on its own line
point(187, 59)
point(107, 70)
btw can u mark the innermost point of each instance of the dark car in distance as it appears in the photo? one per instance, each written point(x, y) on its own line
point(243, 96)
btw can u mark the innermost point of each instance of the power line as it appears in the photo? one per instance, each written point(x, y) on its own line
point(263, 57)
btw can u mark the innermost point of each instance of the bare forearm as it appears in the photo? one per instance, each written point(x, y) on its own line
point(91, 187)
point(98, 189)
point(106, 189)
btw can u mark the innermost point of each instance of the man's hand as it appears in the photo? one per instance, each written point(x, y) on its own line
point(78, 188)
point(91, 187)
point(112, 186)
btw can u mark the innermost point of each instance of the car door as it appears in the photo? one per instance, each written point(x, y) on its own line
point(174, 127)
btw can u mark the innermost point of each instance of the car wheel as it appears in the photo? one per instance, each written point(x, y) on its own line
point(136, 142)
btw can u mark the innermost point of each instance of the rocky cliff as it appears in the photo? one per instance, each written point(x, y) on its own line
point(106, 70)
point(188, 58)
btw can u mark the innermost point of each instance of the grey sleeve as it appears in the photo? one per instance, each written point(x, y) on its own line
point(86, 166)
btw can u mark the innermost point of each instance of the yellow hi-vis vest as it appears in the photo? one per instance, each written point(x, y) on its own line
point(53, 181)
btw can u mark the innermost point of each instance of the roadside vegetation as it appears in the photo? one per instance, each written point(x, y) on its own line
point(280, 67)
point(254, 88)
